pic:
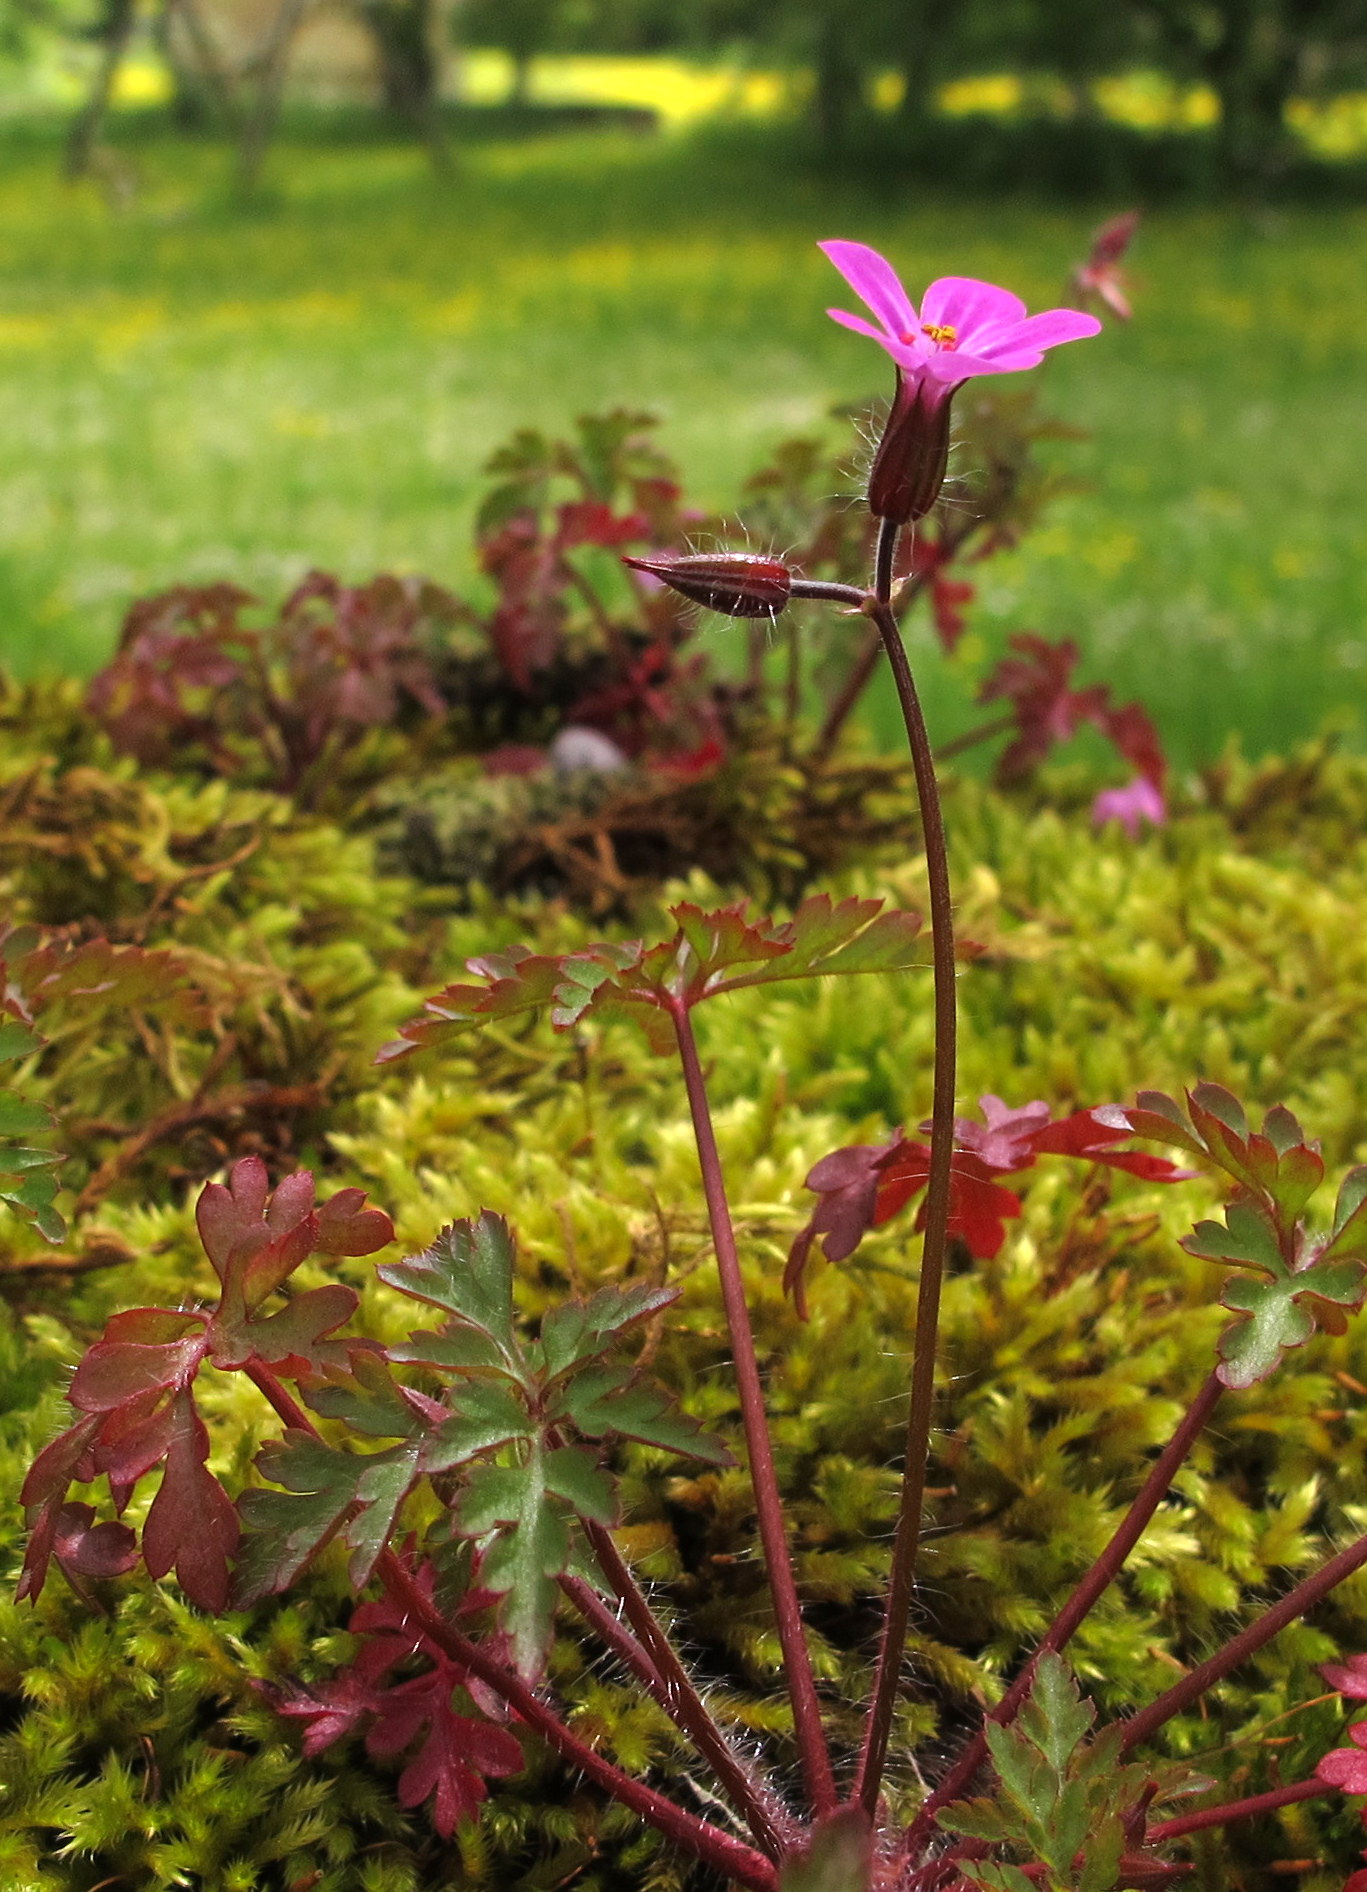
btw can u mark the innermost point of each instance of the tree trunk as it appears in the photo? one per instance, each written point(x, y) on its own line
point(272, 67)
point(839, 83)
point(89, 123)
point(925, 29)
point(204, 86)
point(405, 38)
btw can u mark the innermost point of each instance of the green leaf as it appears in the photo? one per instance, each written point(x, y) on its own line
point(28, 1185)
point(839, 1857)
point(285, 1528)
point(1277, 1317)
point(321, 1486)
point(1249, 1240)
point(1104, 1850)
point(468, 1271)
point(605, 1400)
point(581, 1331)
point(823, 940)
point(1349, 1236)
point(1055, 1718)
point(16, 1040)
point(572, 1474)
point(489, 1415)
point(462, 1350)
point(385, 1481)
point(371, 1402)
point(1215, 1101)
point(1023, 1771)
point(978, 1819)
point(530, 1549)
point(19, 1117)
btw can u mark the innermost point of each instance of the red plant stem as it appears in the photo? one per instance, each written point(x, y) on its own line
point(656, 1666)
point(1079, 1605)
point(706, 1842)
point(833, 593)
point(859, 674)
point(655, 1661)
point(811, 1739)
point(907, 1539)
point(284, 1403)
point(1195, 1683)
point(1238, 1810)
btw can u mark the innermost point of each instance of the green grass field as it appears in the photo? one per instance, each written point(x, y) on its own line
point(192, 389)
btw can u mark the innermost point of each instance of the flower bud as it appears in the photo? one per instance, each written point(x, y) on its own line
point(738, 584)
point(909, 466)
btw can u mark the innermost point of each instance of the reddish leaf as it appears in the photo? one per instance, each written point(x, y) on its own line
point(454, 1754)
point(44, 1491)
point(192, 1526)
point(1037, 682)
point(328, 1710)
point(863, 1186)
point(1346, 1767)
point(87, 1549)
point(1349, 1678)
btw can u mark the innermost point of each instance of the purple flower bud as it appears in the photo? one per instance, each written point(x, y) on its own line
point(738, 584)
point(909, 466)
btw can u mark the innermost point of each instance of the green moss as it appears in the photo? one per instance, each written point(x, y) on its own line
point(1228, 947)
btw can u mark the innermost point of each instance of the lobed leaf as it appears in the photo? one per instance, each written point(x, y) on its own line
point(468, 1272)
point(606, 1401)
point(579, 1332)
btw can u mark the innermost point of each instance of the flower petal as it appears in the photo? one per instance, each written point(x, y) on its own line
point(970, 307)
point(875, 281)
point(902, 353)
point(1052, 327)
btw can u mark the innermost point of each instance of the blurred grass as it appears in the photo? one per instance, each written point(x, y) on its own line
point(191, 388)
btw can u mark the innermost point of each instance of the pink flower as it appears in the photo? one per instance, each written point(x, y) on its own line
point(1139, 801)
point(1101, 276)
point(965, 328)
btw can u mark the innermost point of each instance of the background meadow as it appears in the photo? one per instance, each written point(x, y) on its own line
point(191, 388)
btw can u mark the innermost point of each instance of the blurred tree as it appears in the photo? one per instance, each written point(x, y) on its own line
point(112, 31)
point(521, 28)
point(1256, 55)
point(409, 38)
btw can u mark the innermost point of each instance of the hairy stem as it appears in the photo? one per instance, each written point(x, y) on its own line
point(706, 1842)
point(1238, 1810)
point(907, 1539)
point(657, 1667)
point(674, 1690)
point(1195, 1683)
point(1079, 1605)
point(811, 1739)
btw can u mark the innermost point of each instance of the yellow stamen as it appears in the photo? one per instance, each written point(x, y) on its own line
point(941, 334)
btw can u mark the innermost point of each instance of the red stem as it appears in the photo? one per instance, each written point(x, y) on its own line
point(284, 1403)
point(706, 1842)
point(1238, 1810)
point(907, 1539)
point(858, 676)
point(1079, 1605)
point(656, 1666)
point(651, 1655)
point(811, 1740)
point(1195, 1683)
